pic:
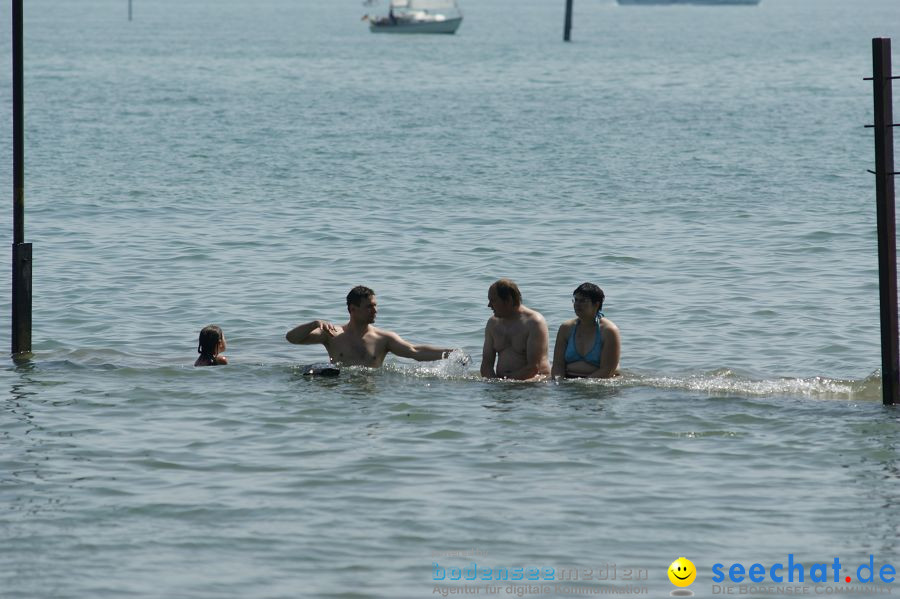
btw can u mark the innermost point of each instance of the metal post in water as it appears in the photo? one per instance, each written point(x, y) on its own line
point(21, 251)
point(884, 206)
point(129, 10)
point(567, 28)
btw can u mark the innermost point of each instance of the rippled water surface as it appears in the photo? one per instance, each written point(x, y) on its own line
point(247, 163)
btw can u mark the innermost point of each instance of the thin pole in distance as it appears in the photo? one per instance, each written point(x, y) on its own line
point(884, 206)
point(21, 251)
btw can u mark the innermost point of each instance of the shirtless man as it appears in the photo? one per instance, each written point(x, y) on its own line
point(515, 337)
point(358, 343)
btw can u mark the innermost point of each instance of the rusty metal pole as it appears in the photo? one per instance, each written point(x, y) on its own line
point(884, 206)
point(567, 28)
point(21, 251)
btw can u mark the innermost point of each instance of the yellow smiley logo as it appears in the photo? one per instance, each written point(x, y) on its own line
point(682, 572)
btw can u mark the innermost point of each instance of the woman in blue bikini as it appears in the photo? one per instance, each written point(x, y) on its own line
point(587, 346)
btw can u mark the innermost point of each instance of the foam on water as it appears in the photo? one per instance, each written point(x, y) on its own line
point(458, 367)
point(728, 382)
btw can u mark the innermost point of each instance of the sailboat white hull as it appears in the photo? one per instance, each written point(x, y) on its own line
point(416, 26)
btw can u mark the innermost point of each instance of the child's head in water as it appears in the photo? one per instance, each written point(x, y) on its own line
point(212, 342)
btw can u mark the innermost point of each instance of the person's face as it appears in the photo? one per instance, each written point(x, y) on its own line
point(221, 347)
point(585, 307)
point(365, 311)
point(501, 307)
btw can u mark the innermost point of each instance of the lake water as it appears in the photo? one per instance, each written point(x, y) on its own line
point(247, 163)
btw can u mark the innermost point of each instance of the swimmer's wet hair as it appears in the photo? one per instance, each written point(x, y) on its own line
point(506, 289)
point(357, 294)
point(591, 291)
point(209, 341)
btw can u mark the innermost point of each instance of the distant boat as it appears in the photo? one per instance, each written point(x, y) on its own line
point(418, 16)
point(703, 2)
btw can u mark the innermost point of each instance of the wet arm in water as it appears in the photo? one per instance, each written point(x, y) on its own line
point(317, 331)
point(609, 359)
point(420, 353)
point(488, 354)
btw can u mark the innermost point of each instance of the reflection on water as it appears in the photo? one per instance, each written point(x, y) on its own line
point(565, 454)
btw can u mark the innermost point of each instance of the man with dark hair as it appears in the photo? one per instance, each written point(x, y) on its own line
point(515, 337)
point(357, 294)
point(358, 343)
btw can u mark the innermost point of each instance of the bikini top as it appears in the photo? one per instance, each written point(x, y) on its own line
point(593, 356)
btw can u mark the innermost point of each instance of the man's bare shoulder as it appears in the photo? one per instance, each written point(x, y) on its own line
point(382, 333)
point(491, 323)
point(533, 317)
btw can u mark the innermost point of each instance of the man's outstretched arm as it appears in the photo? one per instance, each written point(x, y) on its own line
point(421, 353)
point(317, 331)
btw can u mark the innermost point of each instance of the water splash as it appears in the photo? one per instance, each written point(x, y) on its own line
point(454, 366)
point(726, 381)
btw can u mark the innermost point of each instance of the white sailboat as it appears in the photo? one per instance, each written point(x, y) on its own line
point(418, 16)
